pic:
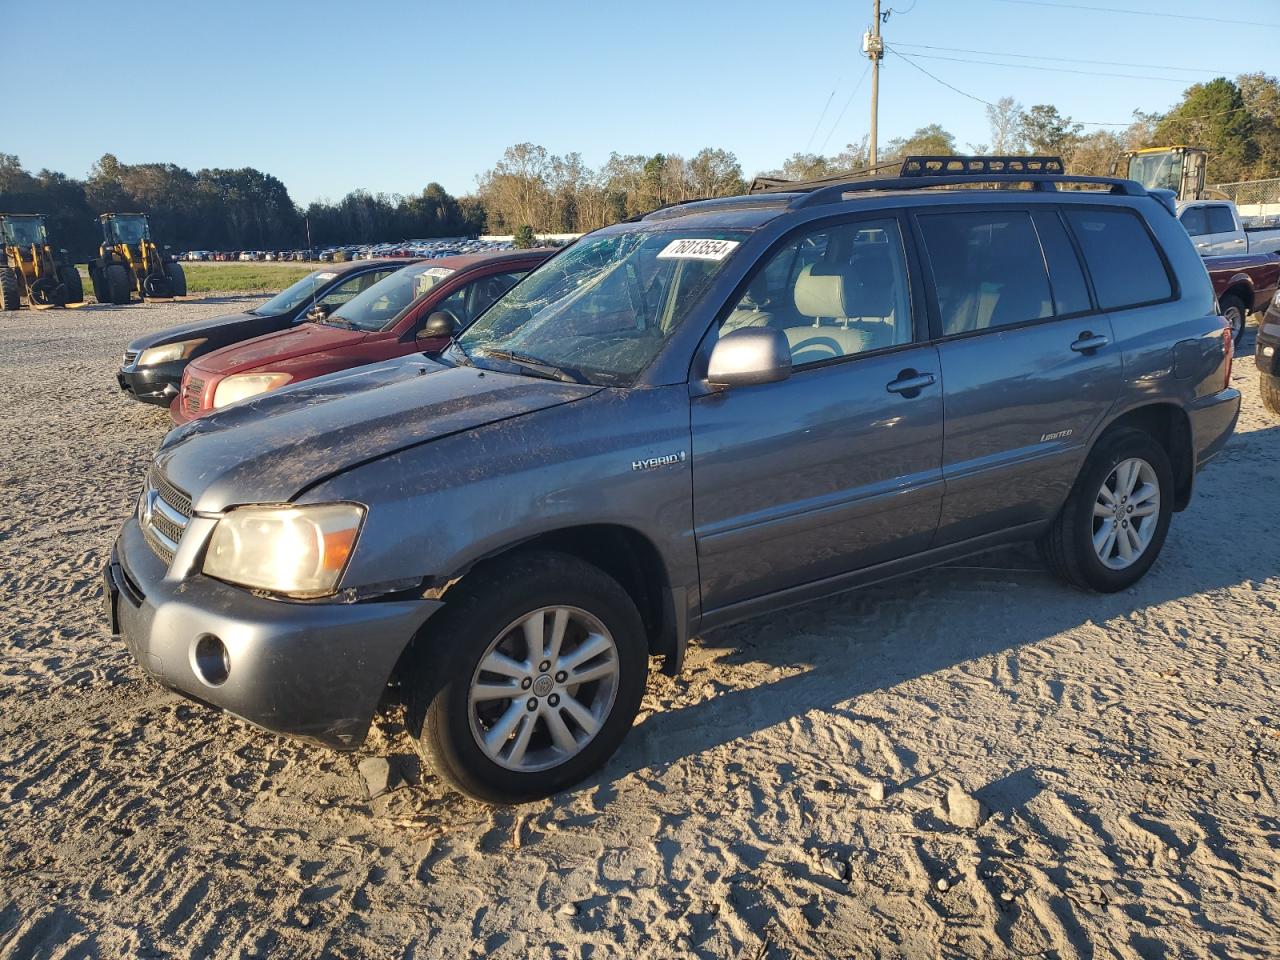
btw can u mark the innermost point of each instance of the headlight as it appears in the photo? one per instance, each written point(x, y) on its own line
point(298, 551)
point(242, 386)
point(168, 352)
point(1276, 299)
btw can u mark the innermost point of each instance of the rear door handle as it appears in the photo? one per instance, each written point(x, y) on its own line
point(910, 383)
point(1088, 342)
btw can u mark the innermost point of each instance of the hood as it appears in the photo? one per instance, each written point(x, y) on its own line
point(306, 338)
point(269, 449)
point(196, 328)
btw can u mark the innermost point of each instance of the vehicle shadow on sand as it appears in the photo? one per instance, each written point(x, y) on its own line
point(843, 647)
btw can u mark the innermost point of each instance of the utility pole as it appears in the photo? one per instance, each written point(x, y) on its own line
point(873, 47)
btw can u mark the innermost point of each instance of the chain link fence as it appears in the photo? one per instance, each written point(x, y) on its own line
point(1257, 200)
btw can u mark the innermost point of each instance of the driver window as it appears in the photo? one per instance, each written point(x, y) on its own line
point(837, 292)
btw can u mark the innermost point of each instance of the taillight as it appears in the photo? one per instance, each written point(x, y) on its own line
point(1228, 350)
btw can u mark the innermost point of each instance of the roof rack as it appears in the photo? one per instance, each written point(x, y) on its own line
point(920, 172)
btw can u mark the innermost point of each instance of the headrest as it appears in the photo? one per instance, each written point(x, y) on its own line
point(825, 291)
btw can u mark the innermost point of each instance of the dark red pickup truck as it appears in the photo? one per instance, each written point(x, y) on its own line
point(1244, 284)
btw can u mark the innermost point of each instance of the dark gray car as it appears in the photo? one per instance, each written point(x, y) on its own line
point(719, 409)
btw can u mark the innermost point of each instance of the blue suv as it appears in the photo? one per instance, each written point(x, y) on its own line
point(719, 409)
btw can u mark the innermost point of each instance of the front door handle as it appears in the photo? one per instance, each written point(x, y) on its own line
point(910, 383)
point(1088, 342)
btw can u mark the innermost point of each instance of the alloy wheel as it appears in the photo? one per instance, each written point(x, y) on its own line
point(1126, 512)
point(543, 689)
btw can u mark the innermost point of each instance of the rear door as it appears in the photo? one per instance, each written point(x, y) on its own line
point(838, 467)
point(1029, 364)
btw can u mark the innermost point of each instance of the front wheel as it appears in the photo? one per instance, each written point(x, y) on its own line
point(1269, 386)
point(177, 279)
point(119, 284)
point(70, 278)
point(1111, 529)
point(529, 678)
point(10, 292)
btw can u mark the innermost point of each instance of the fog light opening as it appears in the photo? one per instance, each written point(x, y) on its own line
point(210, 660)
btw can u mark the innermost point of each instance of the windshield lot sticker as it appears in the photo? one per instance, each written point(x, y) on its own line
point(325, 276)
point(697, 249)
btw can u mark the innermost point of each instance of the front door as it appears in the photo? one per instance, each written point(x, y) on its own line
point(838, 467)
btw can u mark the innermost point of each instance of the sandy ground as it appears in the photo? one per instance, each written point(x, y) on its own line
point(786, 797)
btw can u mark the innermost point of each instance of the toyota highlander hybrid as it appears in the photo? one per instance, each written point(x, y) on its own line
point(720, 409)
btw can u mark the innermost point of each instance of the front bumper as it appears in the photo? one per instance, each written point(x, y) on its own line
point(309, 670)
point(1268, 336)
point(158, 384)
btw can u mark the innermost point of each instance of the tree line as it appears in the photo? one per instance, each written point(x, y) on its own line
point(1238, 121)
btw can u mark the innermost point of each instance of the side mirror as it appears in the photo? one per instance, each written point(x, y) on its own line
point(320, 311)
point(440, 324)
point(749, 356)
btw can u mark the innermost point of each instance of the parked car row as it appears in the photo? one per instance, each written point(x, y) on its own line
point(405, 249)
point(723, 408)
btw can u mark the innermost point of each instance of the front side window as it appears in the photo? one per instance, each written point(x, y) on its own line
point(836, 292)
point(600, 311)
point(988, 269)
point(24, 233)
point(1220, 220)
point(1121, 257)
point(1193, 219)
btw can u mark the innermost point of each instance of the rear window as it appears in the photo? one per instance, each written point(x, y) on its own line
point(1122, 258)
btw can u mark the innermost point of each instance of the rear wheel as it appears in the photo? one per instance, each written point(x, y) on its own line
point(1270, 389)
point(177, 279)
point(528, 680)
point(1111, 529)
point(10, 292)
point(1232, 308)
point(118, 286)
point(70, 278)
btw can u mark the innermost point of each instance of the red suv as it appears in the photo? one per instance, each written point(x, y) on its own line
point(387, 320)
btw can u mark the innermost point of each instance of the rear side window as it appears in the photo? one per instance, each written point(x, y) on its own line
point(1122, 258)
point(988, 269)
point(1220, 220)
point(1066, 278)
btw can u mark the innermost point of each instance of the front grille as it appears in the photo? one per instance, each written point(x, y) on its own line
point(192, 393)
point(130, 356)
point(165, 512)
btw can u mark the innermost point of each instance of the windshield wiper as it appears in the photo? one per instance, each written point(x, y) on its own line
point(538, 367)
point(333, 321)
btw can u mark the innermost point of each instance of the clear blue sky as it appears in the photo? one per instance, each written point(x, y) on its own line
point(331, 96)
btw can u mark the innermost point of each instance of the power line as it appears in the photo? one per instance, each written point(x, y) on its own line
point(1032, 66)
point(1162, 14)
point(821, 116)
point(1105, 63)
point(1086, 123)
point(848, 101)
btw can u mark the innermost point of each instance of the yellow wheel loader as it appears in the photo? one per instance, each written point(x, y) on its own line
point(129, 262)
point(31, 269)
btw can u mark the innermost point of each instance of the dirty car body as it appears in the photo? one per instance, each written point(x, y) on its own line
point(881, 430)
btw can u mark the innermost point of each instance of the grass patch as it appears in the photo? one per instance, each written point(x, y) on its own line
point(250, 277)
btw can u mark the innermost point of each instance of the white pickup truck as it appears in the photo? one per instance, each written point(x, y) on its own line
point(1217, 229)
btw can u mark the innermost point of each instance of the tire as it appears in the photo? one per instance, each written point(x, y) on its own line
point(491, 610)
point(1067, 547)
point(70, 278)
point(1269, 387)
point(177, 279)
point(98, 279)
point(119, 288)
point(1233, 309)
point(10, 292)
